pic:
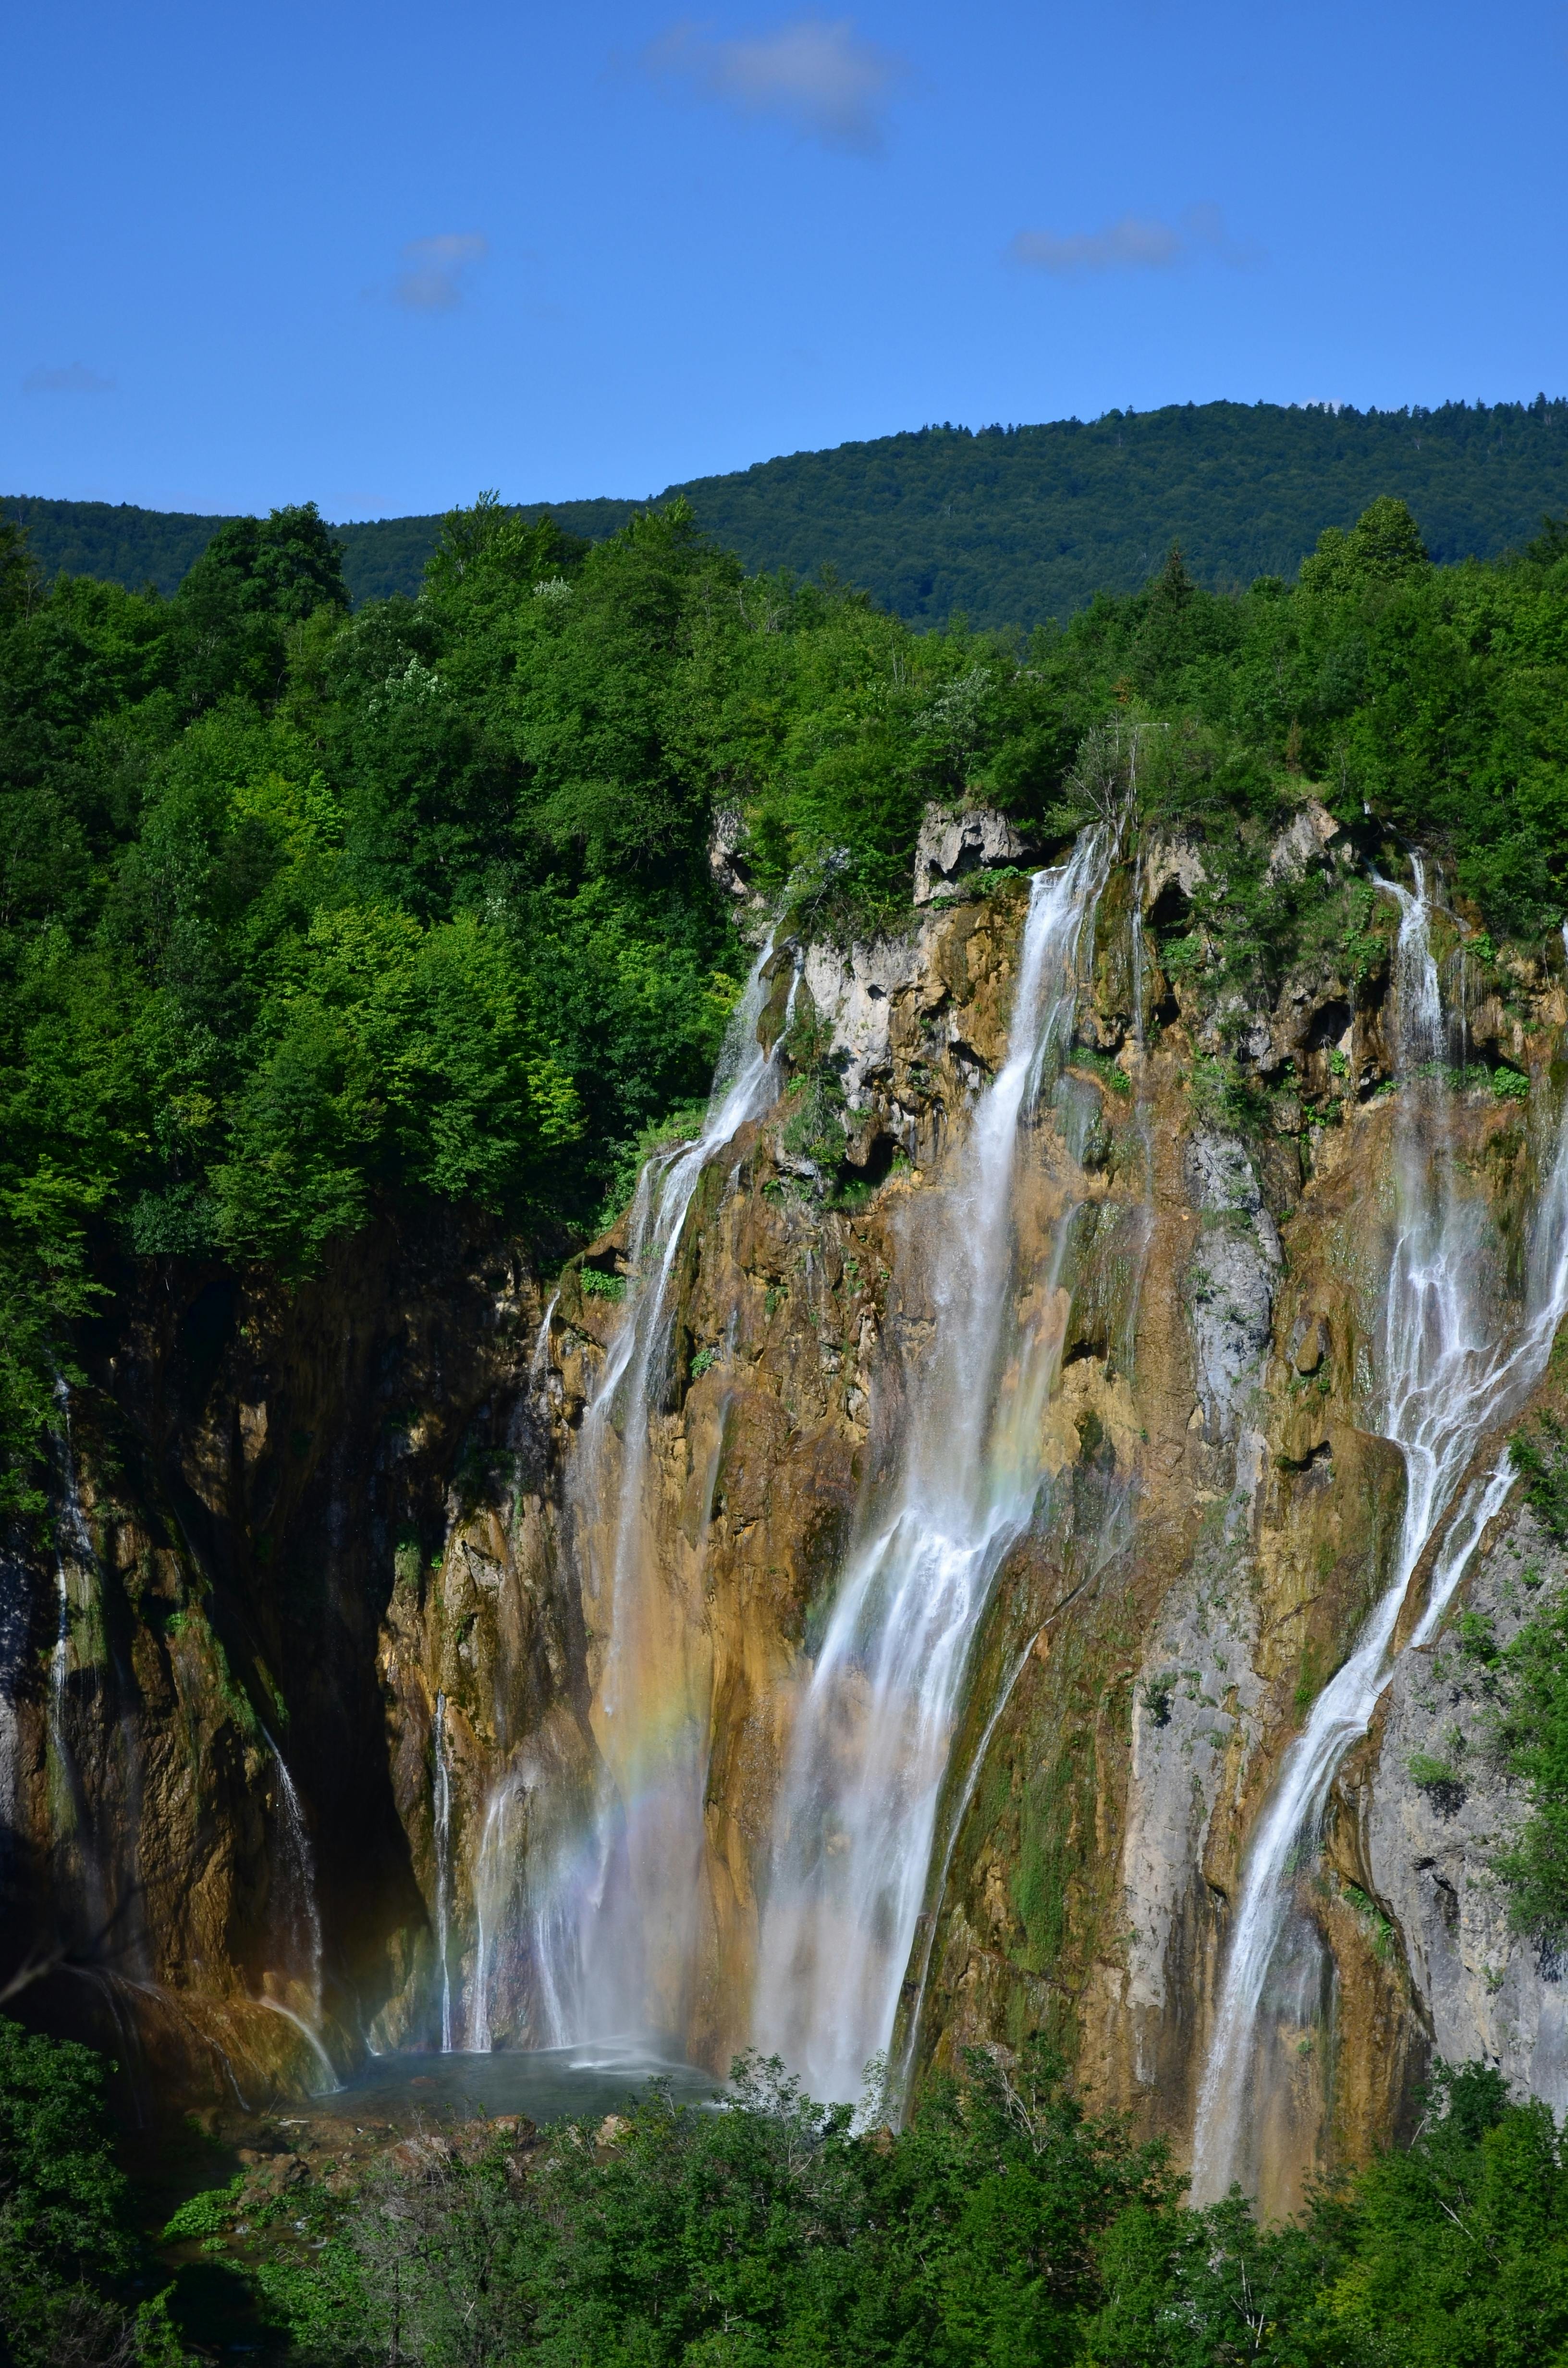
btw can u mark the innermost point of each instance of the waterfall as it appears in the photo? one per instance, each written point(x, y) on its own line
point(76, 1827)
point(1140, 958)
point(301, 1938)
point(15, 1621)
point(301, 1935)
point(441, 1806)
point(599, 1901)
point(492, 1892)
point(857, 1811)
point(538, 1364)
point(60, 1666)
point(73, 1546)
point(1453, 1368)
point(312, 2039)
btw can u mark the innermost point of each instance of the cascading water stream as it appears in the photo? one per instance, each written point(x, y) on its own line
point(856, 1814)
point(301, 1937)
point(60, 1665)
point(72, 1548)
point(441, 1809)
point(302, 1933)
point(1450, 1374)
point(1140, 958)
point(15, 1620)
point(74, 1568)
point(596, 1903)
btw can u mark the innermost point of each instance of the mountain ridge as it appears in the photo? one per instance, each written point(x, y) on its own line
point(1008, 525)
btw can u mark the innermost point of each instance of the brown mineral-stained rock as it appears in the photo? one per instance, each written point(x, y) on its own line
point(321, 1512)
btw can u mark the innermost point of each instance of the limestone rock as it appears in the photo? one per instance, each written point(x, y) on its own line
point(950, 845)
point(1230, 1279)
point(1310, 831)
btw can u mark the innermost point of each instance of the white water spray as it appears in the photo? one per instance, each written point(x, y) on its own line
point(539, 1363)
point(72, 1551)
point(312, 2041)
point(16, 1614)
point(60, 1663)
point(299, 1936)
point(1140, 959)
point(442, 1804)
point(598, 1904)
point(1450, 1372)
point(74, 1571)
point(855, 1816)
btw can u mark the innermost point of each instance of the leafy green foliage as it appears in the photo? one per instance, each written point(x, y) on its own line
point(311, 914)
point(1459, 2245)
point(1528, 1725)
point(1542, 1461)
point(1003, 2227)
point(1439, 1780)
point(207, 2214)
point(766, 2232)
point(66, 2248)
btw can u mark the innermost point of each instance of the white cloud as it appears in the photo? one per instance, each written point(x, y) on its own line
point(814, 75)
point(76, 379)
point(435, 271)
point(1136, 242)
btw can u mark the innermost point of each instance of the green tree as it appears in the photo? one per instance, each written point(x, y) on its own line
point(66, 2250)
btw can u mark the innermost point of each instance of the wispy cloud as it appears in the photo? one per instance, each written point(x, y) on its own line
point(435, 271)
point(1136, 242)
point(814, 73)
point(74, 378)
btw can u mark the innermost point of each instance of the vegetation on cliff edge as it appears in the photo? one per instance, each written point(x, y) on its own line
point(1004, 2227)
point(311, 915)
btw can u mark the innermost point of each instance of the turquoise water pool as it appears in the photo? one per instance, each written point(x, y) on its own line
point(547, 2084)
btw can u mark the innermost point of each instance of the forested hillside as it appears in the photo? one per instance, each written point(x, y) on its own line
point(1009, 526)
point(307, 912)
point(122, 544)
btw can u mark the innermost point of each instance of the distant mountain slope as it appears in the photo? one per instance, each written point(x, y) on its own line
point(1013, 525)
point(1008, 525)
point(134, 547)
point(113, 540)
point(388, 554)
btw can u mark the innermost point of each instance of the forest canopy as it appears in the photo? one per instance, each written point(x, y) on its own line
point(313, 911)
point(1008, 525)
point(1004, 2227)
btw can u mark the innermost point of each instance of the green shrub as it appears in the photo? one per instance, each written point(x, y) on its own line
point(1542, 1461)
point(66, 2250)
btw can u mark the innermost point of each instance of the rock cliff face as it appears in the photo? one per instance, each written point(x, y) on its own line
point(374, 1638)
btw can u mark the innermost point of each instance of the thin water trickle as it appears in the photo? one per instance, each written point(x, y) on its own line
point(73, 1549)
point(538, 1364)
point(312, 2039)
point(596, 1898)
point(75, 1569)
point(1453, 1367)
point(856, 1816)
point(299, 1938)
point(60, 1662)
point(15, 1621)
point(1139, 956)
point(441, 1806)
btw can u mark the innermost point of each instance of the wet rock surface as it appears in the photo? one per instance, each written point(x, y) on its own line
point(1430, 1807)
point(316, 1517)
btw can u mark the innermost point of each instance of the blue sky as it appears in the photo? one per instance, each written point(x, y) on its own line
point(383, 256)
